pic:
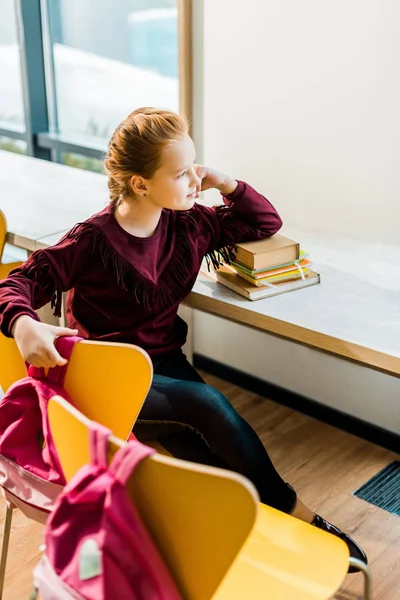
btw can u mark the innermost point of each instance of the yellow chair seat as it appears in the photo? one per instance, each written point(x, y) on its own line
point(285, 559)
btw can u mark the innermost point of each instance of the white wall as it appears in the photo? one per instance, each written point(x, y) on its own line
point(301, 99)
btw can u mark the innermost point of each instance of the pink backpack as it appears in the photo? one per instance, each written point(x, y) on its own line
point(97, 547)
point(30, 474)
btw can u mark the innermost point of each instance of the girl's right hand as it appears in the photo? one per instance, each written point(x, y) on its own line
point(35, 341)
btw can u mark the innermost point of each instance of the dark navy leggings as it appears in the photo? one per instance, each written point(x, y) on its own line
point(194, 421)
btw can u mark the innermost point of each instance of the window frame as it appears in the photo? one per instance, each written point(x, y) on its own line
point(41, 142)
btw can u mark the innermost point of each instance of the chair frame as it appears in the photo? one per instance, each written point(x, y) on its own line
point(366, 571)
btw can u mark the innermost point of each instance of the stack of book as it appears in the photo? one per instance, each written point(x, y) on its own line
point(267, 268)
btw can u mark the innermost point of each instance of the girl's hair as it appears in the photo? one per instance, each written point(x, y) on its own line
point(136, 146)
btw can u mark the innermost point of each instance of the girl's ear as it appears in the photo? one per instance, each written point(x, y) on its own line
point(138, 185)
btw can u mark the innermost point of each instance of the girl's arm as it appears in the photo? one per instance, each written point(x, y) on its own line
point(41, 279)
point(246, 215)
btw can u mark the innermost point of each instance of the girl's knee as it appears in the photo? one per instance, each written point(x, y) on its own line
point(212, 402)
point(207, 394)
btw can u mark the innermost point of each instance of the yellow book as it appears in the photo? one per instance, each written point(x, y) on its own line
point(302, 262)
point(286, 276)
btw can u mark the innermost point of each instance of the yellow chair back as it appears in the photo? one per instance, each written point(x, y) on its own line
point(199, 517)
point(11, 363)
point(108, 382)
point(3, 232)
point(5, 268)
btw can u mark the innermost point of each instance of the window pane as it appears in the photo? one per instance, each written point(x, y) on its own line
point(110, 58)
point(82, 162)
point(11, 102)
point(18, 146)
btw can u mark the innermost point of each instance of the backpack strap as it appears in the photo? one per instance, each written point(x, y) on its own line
point(98, 441)
point(127, 459)
point(36, 372)
point(64, 345)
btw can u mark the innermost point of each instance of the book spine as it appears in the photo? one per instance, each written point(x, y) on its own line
point(234, 288)
point(246, 258)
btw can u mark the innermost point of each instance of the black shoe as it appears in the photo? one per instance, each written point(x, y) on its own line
point(355, 550)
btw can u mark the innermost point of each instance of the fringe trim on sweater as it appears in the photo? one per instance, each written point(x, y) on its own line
point(39, 270)
point(151, 295)
point(155, 296)
point(226, 253)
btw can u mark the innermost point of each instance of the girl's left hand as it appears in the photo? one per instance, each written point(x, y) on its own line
point(210, 178)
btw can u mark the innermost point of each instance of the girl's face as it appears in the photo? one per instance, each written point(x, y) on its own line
point(174, 185)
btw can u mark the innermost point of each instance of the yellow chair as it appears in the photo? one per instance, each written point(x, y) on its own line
point(198, 516)
point(5, 268)
point(107, 381)
point(3, 232)
point(13, 366)
point(182, 506)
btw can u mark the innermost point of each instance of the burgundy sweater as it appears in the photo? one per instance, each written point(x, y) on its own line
point(128, 289)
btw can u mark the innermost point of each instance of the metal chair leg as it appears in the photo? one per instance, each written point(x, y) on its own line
point(361, 566)
point(4, 547)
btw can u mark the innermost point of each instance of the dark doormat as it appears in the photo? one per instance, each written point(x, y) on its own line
point(383, 489)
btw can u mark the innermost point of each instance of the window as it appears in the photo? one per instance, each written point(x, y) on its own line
point(11, 99)
point(18, 146)
point(107, 58)
point(82, 162)
point(85, 67)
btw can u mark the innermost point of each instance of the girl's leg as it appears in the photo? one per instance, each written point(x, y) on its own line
point(181, 442)
point(189, 444)
point(204, 409)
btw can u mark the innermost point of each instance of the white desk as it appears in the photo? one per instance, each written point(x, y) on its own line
point(40, 198)
point(353, 314)
point(342, 316)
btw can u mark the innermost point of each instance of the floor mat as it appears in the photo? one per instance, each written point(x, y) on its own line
point(383, 489)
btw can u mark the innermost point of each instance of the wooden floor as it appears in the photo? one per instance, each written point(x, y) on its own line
point(325, 466)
